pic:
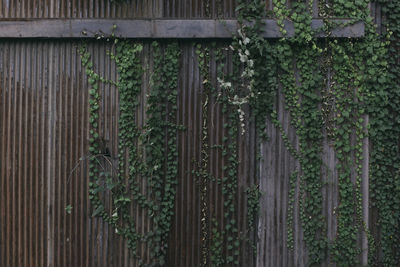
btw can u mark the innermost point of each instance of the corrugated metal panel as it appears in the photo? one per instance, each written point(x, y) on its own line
point(276, 166)
point(199, 8)
point(122, 9)
point(24, 142)
point(44, 126)
point(44, 132)
point(185, 247)
point(80, 9)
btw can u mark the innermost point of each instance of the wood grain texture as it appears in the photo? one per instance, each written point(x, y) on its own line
point(156, 28)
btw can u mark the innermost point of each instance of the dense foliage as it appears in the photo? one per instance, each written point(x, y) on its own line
point(155, 161)
point(385, 132)
point(340, 91)
point(332, 86)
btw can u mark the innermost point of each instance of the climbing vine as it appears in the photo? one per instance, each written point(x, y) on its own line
point(216, 247)
point(384, 131)
point(230, 180)
point(292, 189)
point(155, 161)
point(345, 248)
point(204, 61)
point(253, 209)
point(332, 89)
point(304, 62)
point(302, 100)
point(162, 157)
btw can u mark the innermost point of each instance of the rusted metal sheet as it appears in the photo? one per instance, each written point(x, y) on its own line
point(199, 9)
point(44, 139)
point(44, 130)
point(126, 9)
point(80, 9)
point(23, 128)
point(177, 29)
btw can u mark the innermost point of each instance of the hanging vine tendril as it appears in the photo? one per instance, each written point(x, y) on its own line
point(356, 77)
point(156, 161)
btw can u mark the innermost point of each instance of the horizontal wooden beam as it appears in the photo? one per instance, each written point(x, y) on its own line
point(158, 28)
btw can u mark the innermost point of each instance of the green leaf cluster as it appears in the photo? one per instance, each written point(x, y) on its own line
point(147, 155)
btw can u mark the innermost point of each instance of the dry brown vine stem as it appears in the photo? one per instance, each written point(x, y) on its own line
point(91, 157)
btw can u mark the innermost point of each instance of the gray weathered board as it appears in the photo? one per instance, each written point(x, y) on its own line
point(89, 28)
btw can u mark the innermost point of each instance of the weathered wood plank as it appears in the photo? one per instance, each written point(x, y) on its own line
point(90, 28)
